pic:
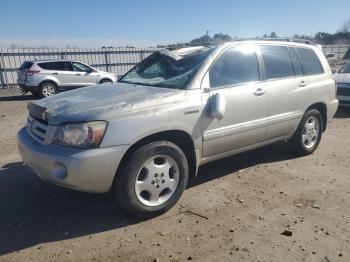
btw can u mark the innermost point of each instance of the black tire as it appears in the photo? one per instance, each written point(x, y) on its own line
point(124, 186)
point(297, 143)
point(105, 81)
point(47, 85)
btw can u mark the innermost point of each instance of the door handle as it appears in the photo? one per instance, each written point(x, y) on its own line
point(55, 73)
point(259, 92)
point(78, 74)
point(302, 84)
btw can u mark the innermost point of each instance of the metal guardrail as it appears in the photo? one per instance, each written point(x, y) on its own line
point(116, 60)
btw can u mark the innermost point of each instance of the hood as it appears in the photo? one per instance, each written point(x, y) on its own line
point(102, 102)
point(341, 78)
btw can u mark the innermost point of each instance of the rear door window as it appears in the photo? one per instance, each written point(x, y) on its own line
point(63, 66)
point(236, 65)
point(277, 61)
point(46, 65)
point(296, 62)
point(309, 61)
point(345, 69)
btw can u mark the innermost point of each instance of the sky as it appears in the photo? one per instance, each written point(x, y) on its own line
point(142, 23)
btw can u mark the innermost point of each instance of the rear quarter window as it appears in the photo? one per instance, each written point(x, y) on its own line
point(309, 61)
point(26, 65)
point(277, 61)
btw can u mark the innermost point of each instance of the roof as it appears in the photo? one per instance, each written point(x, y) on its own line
point(281, 41)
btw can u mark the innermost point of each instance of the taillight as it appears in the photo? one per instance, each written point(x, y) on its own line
point(32, 72)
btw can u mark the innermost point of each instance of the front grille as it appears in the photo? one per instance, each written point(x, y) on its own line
point(38, 112)
point(36, 128)
point(343, 91)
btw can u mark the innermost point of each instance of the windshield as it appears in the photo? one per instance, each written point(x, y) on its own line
point(171, 69)
point(345, 69)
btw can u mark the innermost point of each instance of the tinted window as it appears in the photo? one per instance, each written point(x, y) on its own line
point(47, 65)
point(277, 61)
point(296, 62)
point(63, 66)
point(309, 61)
point(26, 65)
point(235, 66)
point(345, 69)
point(80, 67)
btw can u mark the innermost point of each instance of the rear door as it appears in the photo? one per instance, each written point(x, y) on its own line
point(63, 72)
point(288, 88)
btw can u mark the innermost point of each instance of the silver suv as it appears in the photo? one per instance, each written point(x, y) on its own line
point(46, 78)
point(142, 137)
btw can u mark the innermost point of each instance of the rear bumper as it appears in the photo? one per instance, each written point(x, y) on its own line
point(90, 170)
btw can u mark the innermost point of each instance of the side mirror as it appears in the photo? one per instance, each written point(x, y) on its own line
point(334, 71)
point(89, 70)
point(217, 106)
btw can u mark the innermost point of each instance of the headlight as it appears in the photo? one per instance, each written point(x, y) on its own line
point(82, 135)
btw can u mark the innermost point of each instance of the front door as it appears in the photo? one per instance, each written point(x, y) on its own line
point(235, 76)
point(84, 75)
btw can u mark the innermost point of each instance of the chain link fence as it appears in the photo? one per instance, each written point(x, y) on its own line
point(116, 60)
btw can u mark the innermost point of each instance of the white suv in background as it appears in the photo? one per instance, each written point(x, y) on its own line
point(46, 78)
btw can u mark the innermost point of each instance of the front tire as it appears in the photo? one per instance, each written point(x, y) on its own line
point(309, 133)
point(152, 179)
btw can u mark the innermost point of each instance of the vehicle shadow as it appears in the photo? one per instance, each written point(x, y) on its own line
point(17, 98)
point(34, 212)
point(273, 153)
point(342, 112)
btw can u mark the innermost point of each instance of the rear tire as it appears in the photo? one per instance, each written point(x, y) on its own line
point(47, 89)
point(309, 133)
point(152, 179)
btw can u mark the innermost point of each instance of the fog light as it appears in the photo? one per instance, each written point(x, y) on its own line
point(59, 171)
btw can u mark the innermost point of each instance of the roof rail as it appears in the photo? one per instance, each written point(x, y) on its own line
point(216, 43)
point(183, 45)
point(289, 39)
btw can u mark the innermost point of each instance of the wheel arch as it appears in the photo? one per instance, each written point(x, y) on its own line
point(179, 137)
point(105, 79)
point(322, 108)
point(48, 81)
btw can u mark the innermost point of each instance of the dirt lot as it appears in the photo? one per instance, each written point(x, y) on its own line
point(240, 207)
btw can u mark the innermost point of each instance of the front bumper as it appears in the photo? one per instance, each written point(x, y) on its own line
point(90, 170)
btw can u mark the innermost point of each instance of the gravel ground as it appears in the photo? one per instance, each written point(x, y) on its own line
point(235, 210)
